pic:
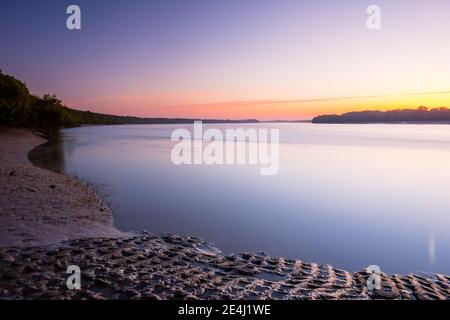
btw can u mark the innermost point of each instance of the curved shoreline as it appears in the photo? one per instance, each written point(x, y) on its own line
point(41, 207)
point(51, 221)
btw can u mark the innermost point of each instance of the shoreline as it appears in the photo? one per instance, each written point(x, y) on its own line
point(42, 207)
point(50, 221)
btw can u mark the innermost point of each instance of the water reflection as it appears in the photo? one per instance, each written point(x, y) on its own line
point(350, 196)
point(432, 250)
point(50, 155)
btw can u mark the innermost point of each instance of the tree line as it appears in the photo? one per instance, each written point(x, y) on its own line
point(419, 115)
point(47, 114)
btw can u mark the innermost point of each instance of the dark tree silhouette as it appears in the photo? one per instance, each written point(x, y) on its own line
point(18, 108)
point(419, 115)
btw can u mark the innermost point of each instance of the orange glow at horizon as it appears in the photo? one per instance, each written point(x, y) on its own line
point(171, 106)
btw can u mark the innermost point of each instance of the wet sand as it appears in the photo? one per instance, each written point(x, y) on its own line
point(40, 207)
point(147, 266)
point(49, 221)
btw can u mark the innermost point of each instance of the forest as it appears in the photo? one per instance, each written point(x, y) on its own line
point(419, 115)
point(47, 114)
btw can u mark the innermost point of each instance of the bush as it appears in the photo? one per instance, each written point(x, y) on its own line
point(18, 108)
point(14, 101)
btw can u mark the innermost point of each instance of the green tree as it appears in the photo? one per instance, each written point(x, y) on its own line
point(14, 101)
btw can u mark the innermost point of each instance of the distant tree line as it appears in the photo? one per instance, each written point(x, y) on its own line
point(419, 115)
point(47, 114)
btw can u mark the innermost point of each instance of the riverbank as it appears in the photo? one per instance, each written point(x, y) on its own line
point(42, 209)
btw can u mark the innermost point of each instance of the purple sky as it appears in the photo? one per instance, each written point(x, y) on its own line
point(229, 58)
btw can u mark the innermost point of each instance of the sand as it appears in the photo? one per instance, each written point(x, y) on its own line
point(40, 207)
point(147, 266)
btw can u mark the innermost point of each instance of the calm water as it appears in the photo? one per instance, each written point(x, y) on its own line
point(346, 195)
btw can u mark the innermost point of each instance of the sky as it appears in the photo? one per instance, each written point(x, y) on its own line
point(263, 59)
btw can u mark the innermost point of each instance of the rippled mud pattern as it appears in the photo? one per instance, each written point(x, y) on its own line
point(172, 267)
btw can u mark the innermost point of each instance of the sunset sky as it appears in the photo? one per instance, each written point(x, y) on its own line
point(264, 59)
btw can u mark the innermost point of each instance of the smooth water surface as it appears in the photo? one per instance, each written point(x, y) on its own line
point(346, 195)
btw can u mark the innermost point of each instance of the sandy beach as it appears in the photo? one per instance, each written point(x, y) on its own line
point(40, 207)
point(49, 221)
